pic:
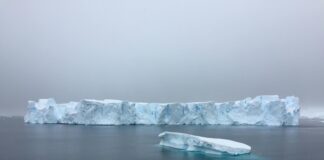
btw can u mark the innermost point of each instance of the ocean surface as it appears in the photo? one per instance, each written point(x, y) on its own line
point(20, 141)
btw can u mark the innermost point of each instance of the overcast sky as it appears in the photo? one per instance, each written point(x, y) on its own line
point(160, 51)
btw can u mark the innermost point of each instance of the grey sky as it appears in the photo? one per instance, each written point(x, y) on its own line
point(159, 51)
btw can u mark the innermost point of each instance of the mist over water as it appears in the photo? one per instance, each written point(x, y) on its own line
point(161, 51)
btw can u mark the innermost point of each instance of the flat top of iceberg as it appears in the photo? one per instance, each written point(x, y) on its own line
point(225, 142)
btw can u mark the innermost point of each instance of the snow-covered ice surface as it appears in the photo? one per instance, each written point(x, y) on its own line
point(261, 110)
point(202, 144)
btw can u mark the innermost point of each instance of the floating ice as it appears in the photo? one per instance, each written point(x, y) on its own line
point(202, 144)
point(262, 110)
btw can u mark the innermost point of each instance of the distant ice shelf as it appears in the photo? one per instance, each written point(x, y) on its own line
point(202, 144)
point(312, 113)
point(261, 110)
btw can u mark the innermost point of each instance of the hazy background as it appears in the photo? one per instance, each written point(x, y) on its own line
point(160, 51)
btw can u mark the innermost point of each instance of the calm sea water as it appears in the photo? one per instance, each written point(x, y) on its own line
point(77, 142)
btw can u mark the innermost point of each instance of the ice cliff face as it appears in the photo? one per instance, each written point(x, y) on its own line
point(202, 144)
point(262, 110)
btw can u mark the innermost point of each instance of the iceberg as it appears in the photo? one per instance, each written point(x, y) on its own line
point(202, 144)
point(261, 110)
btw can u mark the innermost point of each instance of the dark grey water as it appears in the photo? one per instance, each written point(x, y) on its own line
point(39, 142)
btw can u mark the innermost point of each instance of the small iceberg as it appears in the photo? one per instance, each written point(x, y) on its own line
point(202, 144)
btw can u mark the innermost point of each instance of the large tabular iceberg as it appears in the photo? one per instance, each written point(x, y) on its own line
point(202, 144)
point(262, 110)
